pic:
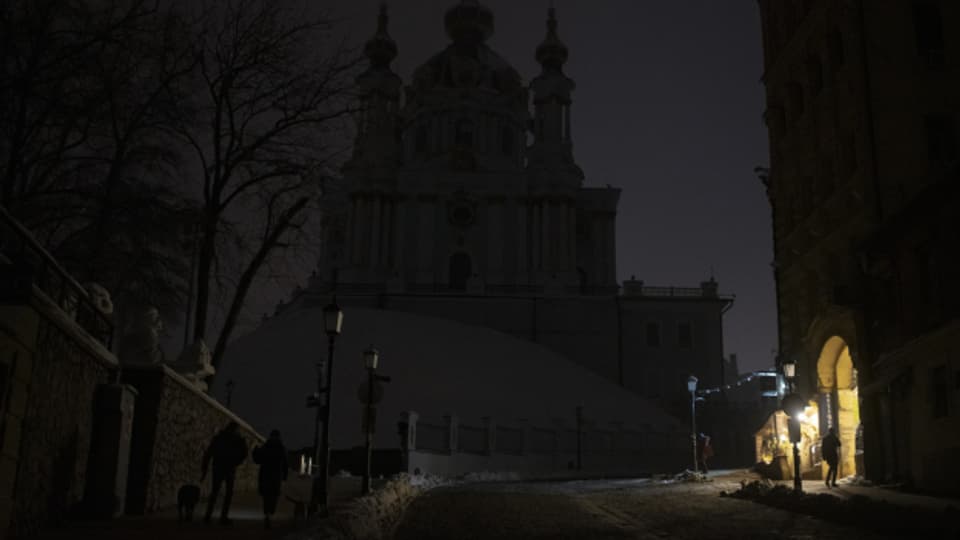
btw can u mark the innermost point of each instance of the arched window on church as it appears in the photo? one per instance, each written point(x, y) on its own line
point(464, 133)
point(460, 269)
point(506, 141)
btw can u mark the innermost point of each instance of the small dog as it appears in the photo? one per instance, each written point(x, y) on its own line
point(187, 498)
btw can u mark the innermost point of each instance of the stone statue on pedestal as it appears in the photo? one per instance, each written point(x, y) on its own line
point(195, 364)
point(140, 343)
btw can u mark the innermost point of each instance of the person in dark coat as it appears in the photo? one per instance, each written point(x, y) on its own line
point(272, 458)
point(830, 448)
point(227, 451)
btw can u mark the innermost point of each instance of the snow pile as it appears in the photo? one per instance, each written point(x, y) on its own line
point(372, 517)
point(685, 476)
point(757, 488)
point(428, 481)
point(857, 481)
point(486, 476)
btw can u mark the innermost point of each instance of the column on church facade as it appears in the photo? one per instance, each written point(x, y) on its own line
point(559, 239)
point(572, 235)
point(399, 234)
point(599, 246)
point(386, 231)
point(520, 238)
point(351, 233)
point(611, 248)
point(375, 205)
point(546, 244)
point(536, 235)
point(360, 229)
point(495, 237)
point(426, 237)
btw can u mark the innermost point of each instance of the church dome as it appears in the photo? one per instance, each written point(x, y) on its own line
point(468, 62)
point(469, 22)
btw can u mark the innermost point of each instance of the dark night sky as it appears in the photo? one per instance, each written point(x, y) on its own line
point(668, 107)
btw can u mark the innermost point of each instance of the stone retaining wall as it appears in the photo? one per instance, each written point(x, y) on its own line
point(47, 418)
point(173, 425)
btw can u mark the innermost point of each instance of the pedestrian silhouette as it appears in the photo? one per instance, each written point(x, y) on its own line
point(830, 449)
point(272, 458)
point(227, 451)
point(704, 451)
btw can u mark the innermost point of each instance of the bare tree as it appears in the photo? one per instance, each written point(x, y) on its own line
point(85, 138)
point(265, 118)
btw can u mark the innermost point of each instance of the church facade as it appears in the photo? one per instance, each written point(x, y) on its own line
point(446, 195)
point(445, 198)
point(463, 243)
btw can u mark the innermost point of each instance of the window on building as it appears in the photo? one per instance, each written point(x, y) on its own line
point(507, 141)
point(464, 132)
point(941, 138)
point(939, 392)
point(420, 140)
point(928, 26)
point(684, 335)
point(653, 334)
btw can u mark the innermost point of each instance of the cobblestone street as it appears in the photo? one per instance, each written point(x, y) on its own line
point(611, 509)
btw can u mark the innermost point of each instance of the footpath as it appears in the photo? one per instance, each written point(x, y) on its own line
point(246, 514)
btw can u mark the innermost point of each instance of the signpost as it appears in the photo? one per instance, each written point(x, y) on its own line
point(370, 393)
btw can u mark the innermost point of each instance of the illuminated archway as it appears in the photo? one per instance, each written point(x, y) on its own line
point(839, 401)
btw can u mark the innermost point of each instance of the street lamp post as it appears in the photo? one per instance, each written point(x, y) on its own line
point(793, 406)
point(333, 322)
point(692, 388)
point(370, 359)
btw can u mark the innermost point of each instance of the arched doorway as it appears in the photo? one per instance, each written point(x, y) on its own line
point(460, 269)
point(840, 403)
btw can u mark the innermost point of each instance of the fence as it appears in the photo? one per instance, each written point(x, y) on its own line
point(449, 446)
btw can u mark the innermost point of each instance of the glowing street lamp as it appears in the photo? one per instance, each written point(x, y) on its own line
point(790, 369)
point(692, 388)
point(794, 407)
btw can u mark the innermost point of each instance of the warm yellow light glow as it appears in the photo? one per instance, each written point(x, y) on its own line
point(808, 416)
point(783, 438)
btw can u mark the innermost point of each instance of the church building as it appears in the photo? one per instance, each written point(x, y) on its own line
point(463, 242)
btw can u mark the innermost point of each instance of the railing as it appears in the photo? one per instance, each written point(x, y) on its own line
point(26, 263)
point(684, 292)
